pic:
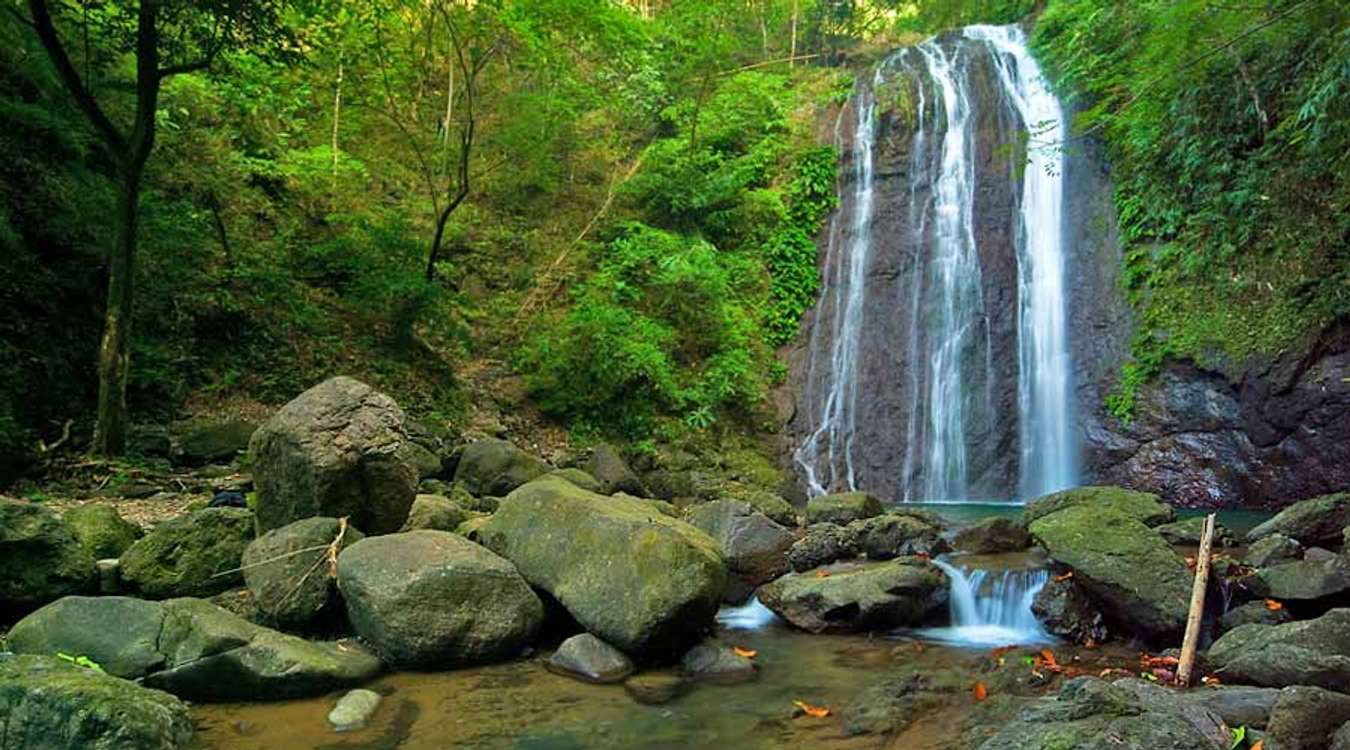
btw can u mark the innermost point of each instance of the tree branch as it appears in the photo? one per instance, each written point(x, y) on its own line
point(65, 69)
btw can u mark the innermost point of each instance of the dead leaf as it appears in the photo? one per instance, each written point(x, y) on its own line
point(1273, 605)
point(1210, 679)
point(980, 691)
point(1048, 657)
point(822, 574)
point(818, 712)
point(1064, 577)
point(748, 653)
point(1259, 745)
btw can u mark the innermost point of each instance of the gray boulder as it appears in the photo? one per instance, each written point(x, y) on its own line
point(102, 530)
point(642, 581)
point(755, 548)
point(875, 597)
point(1272, 550)
point(992, 536)
point(194, 555)
point(50, 704)
point(340, 449)
point(842, 508)
point(209, 441)
point(41, 558)
point(289, 571)
point(1319, 521)
point(1306, 718)
point(191, 648)
point(1307, 652)
point(354, 710)
point(590, 659)
point(893, 535)
point(1145, 507)
point(432, 598)
point(1252, 613)
point(496, 467)
point(1303, 580)
point(1237, 705)
point(1134, 575)
point(822, 544)
point(1341, 739)
point(612, 472)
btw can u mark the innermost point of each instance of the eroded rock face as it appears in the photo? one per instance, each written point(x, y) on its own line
point(50, 704)
point(876, 597)
point(191, 648)
point(340, 449)
point(642, 581)
point(432, 598)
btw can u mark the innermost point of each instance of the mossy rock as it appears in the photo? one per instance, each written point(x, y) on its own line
point(437, 513)
point(642, 581)
point(193, 555)
point(1306, 652)
point(579, 478)
point(842, 508)
point(50, 704)
point(212, 441)
point(287, 572)
point(496, 467)
point(1316, 522)
point(774, 506)
point(1126, 567)
point(102, 530)
point(876, 597)
point(1147, 507)
point(41, 557)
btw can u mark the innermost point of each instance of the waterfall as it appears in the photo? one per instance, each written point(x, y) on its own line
point(938, 365)
point(991, 608)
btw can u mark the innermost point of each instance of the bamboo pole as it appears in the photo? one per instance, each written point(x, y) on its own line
point(1192, 638)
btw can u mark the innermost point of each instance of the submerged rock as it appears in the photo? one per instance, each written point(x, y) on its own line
point(194, 555)
point(1145, 507)
point(1319, 521)
point(642, 581)
point(822, 544)
point(992, 536)
point(1126, 567)
point(288, 570)
point(1089, 714)
point(876, 597)
point(191, 648)
point(102, 530)
point(340, 449)
point(40, 556)
point(842, 508)
point(1309, 652)
point(654, 689)
point(354, 710)
point(714, 661)
point(50, 704)
point(496, 467)
point(432, 598)
point(591, 660)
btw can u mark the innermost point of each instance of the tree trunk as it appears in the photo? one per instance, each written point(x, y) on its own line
point(110, 431)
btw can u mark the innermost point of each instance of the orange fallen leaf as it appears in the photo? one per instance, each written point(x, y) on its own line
point(1273, 605)
point(1064, 577)
point(1049, 657)
point(1210, 679)
point(979, 691)
point(818, 712)
point(748, 653)
point(822, 574)
point(1259, 744)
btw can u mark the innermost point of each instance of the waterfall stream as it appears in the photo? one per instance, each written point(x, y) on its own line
point(938, 364)
point(991, 608)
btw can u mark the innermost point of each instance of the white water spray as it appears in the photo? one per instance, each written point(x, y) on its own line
point(991, 608)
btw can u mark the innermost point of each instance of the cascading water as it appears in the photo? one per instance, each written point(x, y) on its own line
point(991, 608)
point(938, 364)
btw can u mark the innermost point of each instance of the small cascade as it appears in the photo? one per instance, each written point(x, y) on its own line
point(749, 616)
point(991, 608)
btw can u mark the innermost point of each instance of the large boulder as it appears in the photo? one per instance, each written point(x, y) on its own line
point(496, 467)
point(209, 441)
point(1237, 705)
point(191, 648)
point(50, 704)
point(754, 547)
point(1090, 714)
point(1305, 718)
point(842, 508)
point(876, 597)
point(437, 513)
point(780, 511)
point(642, 581)
point(1307, 652)
point(1146, 507)
point(992, 535)
point(893, 535)
point(612, 472)
point(590, 659)
point(432, 598)
point(101, 530)
point(289, 571)
point(1303, 580)
point(1132, 573)
point(194, 555)
point(340, 449)
point(822, 544)
point(1319, 521)
point(40, 556)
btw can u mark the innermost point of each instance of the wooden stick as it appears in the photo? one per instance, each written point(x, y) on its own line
point(1191, 641)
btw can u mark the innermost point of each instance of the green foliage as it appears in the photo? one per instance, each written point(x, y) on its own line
point(80, 661)
point(1227, 130)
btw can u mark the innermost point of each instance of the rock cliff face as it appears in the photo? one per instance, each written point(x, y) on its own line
point(1264, 434)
